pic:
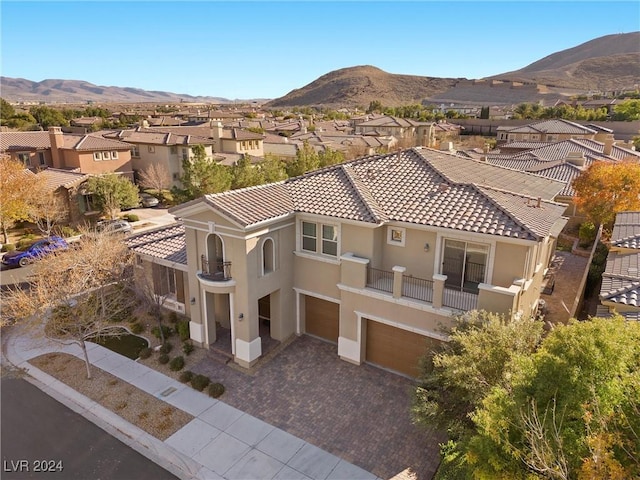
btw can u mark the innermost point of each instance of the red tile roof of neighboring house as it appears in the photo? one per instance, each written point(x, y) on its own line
point(24, 141)
point(55, 178)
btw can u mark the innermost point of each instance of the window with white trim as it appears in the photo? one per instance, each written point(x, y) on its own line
point(25, 158)
point(309, 237)
point(135, 151)
point(97, 156)
point(319, 238)
point(330, 240)
point(106, 155)
point(114, 155)
point(41, 158)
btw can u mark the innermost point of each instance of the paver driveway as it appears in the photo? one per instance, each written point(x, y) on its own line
point(359, 413)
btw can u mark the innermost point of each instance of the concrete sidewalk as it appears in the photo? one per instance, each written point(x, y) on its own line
point(221, 442)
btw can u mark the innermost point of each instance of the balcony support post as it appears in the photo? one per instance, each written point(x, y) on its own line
point(398, 272)
point(438, 289)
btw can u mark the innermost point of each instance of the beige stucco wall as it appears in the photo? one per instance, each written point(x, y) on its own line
point(412, 255)
point(509, 263)
point(86, 163)
point(316, 276)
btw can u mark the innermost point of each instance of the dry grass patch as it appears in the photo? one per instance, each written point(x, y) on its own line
point(137, 407)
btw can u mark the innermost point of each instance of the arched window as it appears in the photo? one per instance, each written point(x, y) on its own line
point(268, 256)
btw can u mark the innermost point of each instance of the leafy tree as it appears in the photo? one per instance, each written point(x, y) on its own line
point(48, 117)
point(307, 159)
point(6, 111)
point(201, 176)
point(627, 111)
point(77, 293)
point(21, 121)
point(18, 188)
point(329, 157)
point(244, 174)
point(113, 193)
point(272, 169)
point(607, 188)
point(484, 112)
point(568, 411)
point(155, 177)
point(375, 106)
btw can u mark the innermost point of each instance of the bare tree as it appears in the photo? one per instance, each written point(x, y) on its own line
point(46, 211)
point(148, 287)
point(155, 177)
point(76, 293)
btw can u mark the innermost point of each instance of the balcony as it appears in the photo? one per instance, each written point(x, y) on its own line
point(217, 271)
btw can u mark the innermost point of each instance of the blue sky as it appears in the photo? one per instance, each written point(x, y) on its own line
point(264, 49)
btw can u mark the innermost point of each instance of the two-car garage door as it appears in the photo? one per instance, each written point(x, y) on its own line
point(389, 347)
point(395, 348)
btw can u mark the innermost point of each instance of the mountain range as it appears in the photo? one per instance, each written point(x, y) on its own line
point(609, 63)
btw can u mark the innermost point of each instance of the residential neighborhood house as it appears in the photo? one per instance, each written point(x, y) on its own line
point(375, 255)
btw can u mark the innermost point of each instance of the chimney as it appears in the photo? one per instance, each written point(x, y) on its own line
point(576, 158)
point(608, 144)
point(216, 131)
point(56, 138)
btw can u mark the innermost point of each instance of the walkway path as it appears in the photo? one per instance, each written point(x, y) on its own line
point(221, 442)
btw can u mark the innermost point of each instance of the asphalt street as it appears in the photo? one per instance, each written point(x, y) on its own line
point(43, 439)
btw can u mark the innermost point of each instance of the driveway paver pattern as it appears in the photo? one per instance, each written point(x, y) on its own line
point(358, 413)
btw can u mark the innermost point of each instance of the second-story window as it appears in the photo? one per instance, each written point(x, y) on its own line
point(135, 151)
point(309, 237)
point(320, 238)
point(329, 240)
point(41, 158)
point(97, 156)
point(25, 159)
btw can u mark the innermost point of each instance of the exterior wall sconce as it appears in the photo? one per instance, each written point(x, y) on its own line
point(192, 300)
point(426, 247)
point(241, 316)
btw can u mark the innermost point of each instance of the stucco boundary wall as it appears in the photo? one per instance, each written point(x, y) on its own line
point(488, 127)
point(577, 303)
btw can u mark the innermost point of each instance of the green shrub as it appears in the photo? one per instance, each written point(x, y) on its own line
point(176, 363)
point(200, 382)
point(183, 329)
point(187, 348)
point(164, 358)
point(8, 247)
point(168, 331)
point(166, 347)
point(136, 327)
point(145, 353)
point(587, 234)
point(131, 217)
point(186, 376)
point(215, 390)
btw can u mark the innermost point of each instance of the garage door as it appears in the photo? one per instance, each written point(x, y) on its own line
point(322, 318)
point(396, 349)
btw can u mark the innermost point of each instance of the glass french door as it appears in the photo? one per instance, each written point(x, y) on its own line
point(464, 264)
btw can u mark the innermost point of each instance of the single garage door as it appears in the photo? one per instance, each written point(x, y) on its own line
point(322, 318)
point(396, 349)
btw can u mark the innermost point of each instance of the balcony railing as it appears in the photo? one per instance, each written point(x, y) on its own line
point(460, 300)
point(380, 280)
point(217, 271)
point(417, 288)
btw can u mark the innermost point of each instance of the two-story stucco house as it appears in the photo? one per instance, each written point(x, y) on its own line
point(375, 255)
point(166, 149)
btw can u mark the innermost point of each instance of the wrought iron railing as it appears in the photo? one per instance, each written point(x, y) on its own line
point(417, 288)
point(217, 271)
point(380, 280)
point(460, 300)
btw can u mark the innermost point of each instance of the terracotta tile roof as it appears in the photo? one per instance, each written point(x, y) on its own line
point(165, 243)
point(554, 126)
point(626, 230)
point(418, 186)
point(55, 178)
point(162, 138)
point(17, 141)
point(239, 134)
point(621, 278)
point(92, 142)
point(389, 121)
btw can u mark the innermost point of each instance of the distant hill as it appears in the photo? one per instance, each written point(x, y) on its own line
point(78, 91)
point(358, 86)
point(607, 63)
